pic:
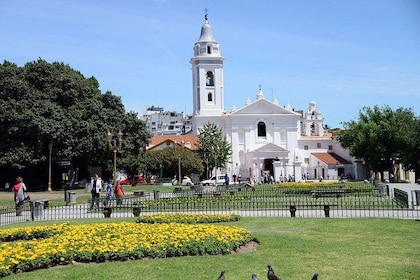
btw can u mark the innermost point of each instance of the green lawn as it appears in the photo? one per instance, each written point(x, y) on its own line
point(296, 248)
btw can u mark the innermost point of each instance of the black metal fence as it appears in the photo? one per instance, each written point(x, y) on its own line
point(242, 200)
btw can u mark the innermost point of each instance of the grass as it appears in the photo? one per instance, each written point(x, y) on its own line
point(296, 248)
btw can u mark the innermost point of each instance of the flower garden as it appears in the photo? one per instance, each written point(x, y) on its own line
point(30, 248)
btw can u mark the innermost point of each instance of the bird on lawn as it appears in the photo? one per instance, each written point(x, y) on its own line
point(222, 276)
point(270, 274)
point(315, 277)
point(254, 277)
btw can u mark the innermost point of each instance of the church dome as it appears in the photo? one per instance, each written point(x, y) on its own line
point(206, 33)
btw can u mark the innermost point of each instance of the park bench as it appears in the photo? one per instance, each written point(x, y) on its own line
point(139, 193)
point(112, 206)
point(45, 202)
point(128, 202)
point(107, 210)
point(220, 190)
point(178, 189)
point(246, 186)
point(327, 193)
point(293, 208)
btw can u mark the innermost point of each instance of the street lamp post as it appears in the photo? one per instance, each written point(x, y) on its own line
point(179, 165)
point(160, 172)
point(179, 169)
point(115, 146)
point(216, 155)
point(49, 166)
point(215, 170)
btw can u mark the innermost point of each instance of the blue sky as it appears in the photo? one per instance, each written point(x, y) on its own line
point(342, 54)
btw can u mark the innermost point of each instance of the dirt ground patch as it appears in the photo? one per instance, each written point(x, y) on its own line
point(249, 247)
point(34, 195)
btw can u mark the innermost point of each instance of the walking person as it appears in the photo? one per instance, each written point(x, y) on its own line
point(96, 184)
point(226, 179)
point(19, 190)
point(119, 192)
point(108, 193)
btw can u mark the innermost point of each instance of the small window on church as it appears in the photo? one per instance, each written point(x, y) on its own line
point(318, 145)
point(306, 147)
point(209, 97)
point(209, 78)
point(209, 49)
point(261, 130)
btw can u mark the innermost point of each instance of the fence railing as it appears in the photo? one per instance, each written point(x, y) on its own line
point(245, 201)
point(401, 197)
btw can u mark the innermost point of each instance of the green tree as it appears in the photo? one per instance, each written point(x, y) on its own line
point(170, 158)
point(382, 137)
point(213, 148)
point(50, 103)
point(410, 156)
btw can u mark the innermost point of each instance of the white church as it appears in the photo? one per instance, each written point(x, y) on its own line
point(267, 138)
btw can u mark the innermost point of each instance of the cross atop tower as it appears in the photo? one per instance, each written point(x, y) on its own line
point(206, 15)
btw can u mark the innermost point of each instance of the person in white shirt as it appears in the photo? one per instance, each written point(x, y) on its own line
point(96, 185)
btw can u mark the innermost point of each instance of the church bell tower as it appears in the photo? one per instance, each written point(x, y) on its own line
point(207, 74)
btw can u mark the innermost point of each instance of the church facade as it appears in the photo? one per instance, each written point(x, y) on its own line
point(268, 140)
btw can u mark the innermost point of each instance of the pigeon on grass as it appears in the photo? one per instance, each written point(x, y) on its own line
point(270, 274)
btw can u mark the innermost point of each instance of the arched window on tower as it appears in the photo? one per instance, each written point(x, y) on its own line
point(262, 132)
point(210, 97)
point(208, 49)
point(209, 78)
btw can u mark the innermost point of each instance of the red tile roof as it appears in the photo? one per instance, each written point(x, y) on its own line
point(190, 141)
point(330, 158)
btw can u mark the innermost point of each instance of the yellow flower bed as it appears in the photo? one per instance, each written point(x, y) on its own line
point(307, 184)
point(115, 241)
point(188, 218)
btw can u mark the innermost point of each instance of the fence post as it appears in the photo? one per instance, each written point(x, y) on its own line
point(31, 206)
point(327, 211)
point(293, 211)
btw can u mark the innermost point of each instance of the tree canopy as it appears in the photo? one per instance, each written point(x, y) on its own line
point(45, 103)
point(213, 148)
point(383, 137)
point(169, 158)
